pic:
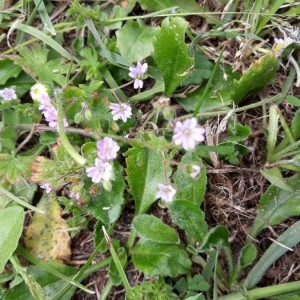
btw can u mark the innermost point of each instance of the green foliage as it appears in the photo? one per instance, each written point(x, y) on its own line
point(35, 62)
point(160, 259)
point(260, 73)
point(135, 41)
point(190, 189)
point(285, 241)
point(8, 70)
point(190, 218)
point(157, 289)
point(153, 229)
point(171, 53)
point(11, 224)
point(277, 205)
point(145, 169)
point(107, 206)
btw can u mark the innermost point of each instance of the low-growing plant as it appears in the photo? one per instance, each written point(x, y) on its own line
point(127, 124)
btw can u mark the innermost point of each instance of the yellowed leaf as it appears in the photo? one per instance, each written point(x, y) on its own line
point(47, 236)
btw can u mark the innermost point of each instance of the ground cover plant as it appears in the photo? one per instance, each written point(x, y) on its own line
point(149, 149)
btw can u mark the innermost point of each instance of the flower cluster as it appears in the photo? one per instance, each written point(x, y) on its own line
point(8, 94)
point(188, 134)
point(102, 171)
point(138, 74)
point(39, 93)
point(120, 111)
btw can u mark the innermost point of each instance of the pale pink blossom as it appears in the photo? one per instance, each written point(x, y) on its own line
point(120, 111)
point(101, 171)
point(46, 186)
point(195, 171)
point(8, 94)
point(107, 149)
point(165, 192)
point(138, 74)
point(188, 134)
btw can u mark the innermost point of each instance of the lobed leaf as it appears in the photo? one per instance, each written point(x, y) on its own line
point(135, 41)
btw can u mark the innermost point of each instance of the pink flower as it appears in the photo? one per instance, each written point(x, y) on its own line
point(101, 171)
point(107, 149)
point(137, 73)
point(8, 94)
point(120, 111)
point(188, 134)
point(46, 186)
point(166, 192)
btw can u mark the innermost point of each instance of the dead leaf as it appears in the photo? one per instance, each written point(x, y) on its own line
point(47, 236)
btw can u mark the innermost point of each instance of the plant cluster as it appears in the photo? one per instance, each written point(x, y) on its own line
point(123, 118)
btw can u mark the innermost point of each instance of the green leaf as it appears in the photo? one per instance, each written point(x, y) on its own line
point(11, 224)
point(44, 38)
point(171, 53)
point(274, 176)
point(113, 272)
point(189, 217)
point(107, 206)
point(50, 283)
point(246, 257)
point(288, 239)
point(277, 205)
point(15, 168)
point(35, 62)
point(293, 100)
point(202, 70)
point(145, 170)
point(188, 188)
point(160, 259)
point(8, 70)
point(296, 125)
point(218, 235)
point(198, 283)
point(188, 5)
point(153, 229)
point(259, 74)
point(135, 41)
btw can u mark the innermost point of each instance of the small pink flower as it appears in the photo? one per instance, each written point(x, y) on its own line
point(120, 111)
point(46, 186)
point(166, 192)
point(101, 171)
point(107, 149)
point(188, 134)
point(8, 94)
point(137, 73)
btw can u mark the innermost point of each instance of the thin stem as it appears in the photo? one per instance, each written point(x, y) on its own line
point(19, 201)
point(263, 293)
point(237, 110)
point(296, 66)
point(116, 260)
point(62, 133)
